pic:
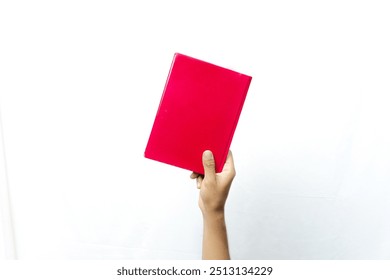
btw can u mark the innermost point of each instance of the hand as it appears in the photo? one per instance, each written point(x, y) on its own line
point(214, 187)
point(214, 190)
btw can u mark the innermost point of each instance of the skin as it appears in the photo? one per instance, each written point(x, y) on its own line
point(214, 190)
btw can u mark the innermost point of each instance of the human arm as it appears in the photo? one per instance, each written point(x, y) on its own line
point(214, 189)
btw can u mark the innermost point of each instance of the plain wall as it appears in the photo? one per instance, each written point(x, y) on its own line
point(80, 85)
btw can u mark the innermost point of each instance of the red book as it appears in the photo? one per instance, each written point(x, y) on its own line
point(198, 111)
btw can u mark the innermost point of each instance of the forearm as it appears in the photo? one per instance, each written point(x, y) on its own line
point(215, 242)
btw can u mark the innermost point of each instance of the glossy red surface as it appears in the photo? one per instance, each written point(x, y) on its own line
point(198, 111)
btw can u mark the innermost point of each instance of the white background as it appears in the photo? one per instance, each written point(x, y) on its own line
point(81, 82)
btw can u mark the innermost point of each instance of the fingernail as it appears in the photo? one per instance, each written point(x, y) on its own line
point(208, 155)
point(198, 183)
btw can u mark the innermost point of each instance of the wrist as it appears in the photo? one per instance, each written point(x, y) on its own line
point(214, 215)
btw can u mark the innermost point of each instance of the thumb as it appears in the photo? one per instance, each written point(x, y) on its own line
point(208, 164)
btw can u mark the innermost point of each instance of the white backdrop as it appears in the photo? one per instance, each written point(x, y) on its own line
point(81, 82)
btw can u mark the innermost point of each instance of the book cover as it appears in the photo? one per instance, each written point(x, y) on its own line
point(199, 110)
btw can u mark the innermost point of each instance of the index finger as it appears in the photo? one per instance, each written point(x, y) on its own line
point(229, 164)
point(194, 175)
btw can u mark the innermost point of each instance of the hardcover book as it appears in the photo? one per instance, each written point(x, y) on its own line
point(199, 110)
